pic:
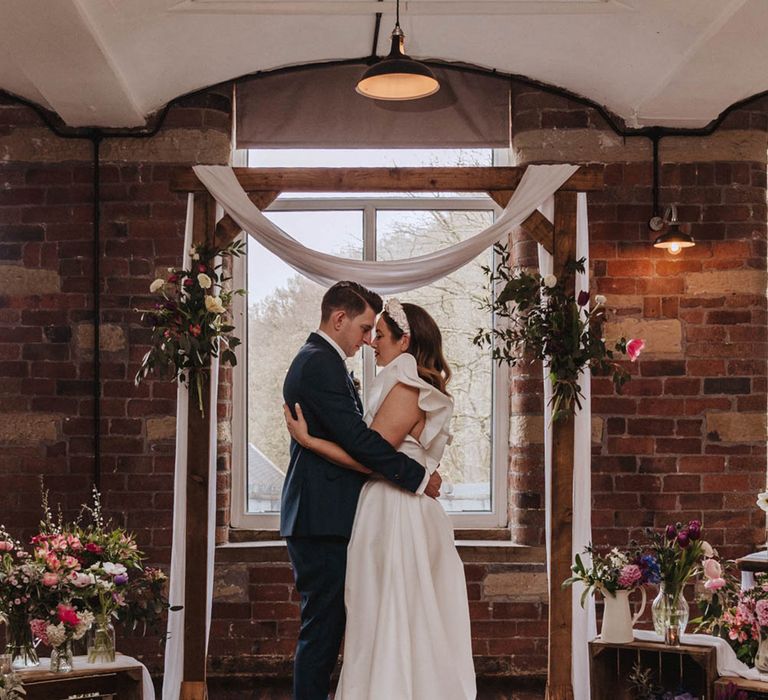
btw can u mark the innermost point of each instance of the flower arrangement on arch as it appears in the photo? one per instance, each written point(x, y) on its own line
point(548, 323)
point(188, 322)
point(616, 570)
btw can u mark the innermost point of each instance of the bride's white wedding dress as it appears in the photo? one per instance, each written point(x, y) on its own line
point(408, 635)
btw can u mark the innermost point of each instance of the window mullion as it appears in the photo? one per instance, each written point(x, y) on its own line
point(369, 253)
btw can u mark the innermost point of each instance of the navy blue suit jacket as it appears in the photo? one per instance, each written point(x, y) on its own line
point(319, 498)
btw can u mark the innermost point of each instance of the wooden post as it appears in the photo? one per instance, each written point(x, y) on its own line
point(560, 623)
point(193, 686)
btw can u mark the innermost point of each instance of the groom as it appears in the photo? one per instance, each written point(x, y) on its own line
point(319, 499)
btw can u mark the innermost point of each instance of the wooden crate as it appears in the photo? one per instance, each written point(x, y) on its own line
point(757, 690)
point(693, 667)
point(115, 683)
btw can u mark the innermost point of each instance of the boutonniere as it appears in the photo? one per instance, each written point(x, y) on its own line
point(355, 382)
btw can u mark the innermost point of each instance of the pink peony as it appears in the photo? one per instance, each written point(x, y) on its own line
point(761, 610)
point(67, 614)
point(634, 348)
point(712, 569)
point(50, 579)
point(6, 545)
point(714, 584)
point(38, 629)
point(629, 575)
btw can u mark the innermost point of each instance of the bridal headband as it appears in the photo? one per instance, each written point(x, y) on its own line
point(396, 312)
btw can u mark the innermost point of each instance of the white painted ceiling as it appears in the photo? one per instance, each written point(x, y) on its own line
point(652, 62)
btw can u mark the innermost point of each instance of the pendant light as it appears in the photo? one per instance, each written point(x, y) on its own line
point(397, 76)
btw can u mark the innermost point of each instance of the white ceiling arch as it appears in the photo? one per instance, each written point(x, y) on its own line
point(111, 63)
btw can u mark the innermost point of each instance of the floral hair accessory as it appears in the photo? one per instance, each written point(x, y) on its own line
point(396, 312)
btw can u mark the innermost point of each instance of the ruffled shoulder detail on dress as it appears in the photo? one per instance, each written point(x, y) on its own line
point(438, 407)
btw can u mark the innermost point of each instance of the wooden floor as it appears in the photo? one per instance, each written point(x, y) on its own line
point(487, 690)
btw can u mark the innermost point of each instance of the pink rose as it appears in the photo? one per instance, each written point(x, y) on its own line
point(6, 545)
point(634, 348)
point(50, 579)
point(714, 584)
point(712, 569)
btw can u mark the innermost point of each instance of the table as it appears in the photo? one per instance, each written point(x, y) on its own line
point(757, 562)
point(123, 679)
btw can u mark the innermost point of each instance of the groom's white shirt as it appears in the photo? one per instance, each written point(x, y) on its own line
point(342, 354)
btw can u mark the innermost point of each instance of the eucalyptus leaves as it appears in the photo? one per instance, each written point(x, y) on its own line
point(545, 322)
point(188, 321)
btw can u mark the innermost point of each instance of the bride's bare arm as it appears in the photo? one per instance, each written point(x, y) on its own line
point(395, 419)
point(297, 427)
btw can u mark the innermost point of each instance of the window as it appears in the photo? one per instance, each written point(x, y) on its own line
point(283, 308)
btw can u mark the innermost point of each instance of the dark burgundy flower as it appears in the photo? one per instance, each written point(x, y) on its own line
point(188, 282)
point(583, 299)
point(201, 268)
point(671, 532)
point(173, 279)
point(94, 548)
point(694, 530)
point(683, 539)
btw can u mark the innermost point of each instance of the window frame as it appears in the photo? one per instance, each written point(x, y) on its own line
point(497, 517)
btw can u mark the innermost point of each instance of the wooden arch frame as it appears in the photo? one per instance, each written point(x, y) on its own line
point(263, 186)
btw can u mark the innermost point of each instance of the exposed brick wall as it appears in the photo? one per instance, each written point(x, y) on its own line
point(686, 439)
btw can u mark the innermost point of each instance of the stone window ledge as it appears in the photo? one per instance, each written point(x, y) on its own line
point(470, 550)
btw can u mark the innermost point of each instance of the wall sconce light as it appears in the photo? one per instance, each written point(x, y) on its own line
point(397, 76)
point(674, 239)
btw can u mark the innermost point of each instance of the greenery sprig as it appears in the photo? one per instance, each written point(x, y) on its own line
point(546, 322)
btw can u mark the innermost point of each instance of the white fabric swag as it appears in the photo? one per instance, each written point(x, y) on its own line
point(386, 277)
point(536, 189)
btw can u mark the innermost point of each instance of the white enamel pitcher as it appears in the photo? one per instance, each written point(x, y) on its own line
point(617, 618)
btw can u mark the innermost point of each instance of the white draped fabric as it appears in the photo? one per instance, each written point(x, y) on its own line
point(583, 619)
point(536, 187)
point(386, 277)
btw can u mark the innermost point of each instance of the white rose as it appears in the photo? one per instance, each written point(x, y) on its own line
point(157, 285)
point(550, 281)
point(204, 281)
point(706, 549)
point(600, 300)
point(214, 305)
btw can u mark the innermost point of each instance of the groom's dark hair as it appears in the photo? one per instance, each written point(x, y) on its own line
point(351, 297)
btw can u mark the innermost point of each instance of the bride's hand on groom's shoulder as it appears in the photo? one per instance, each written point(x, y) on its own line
point(297, 427)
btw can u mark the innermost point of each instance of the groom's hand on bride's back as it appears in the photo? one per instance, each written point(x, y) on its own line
point(433, 485)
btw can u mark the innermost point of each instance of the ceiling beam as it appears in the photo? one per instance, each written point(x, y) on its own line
point(412, 7)
point(91, 90)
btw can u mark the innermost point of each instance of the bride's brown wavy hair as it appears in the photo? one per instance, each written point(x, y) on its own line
point(426, 345)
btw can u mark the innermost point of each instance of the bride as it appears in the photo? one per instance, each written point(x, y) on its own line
point(408, 634)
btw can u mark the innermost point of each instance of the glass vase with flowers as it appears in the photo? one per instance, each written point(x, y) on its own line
point(679, 551)
point(20, 577)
